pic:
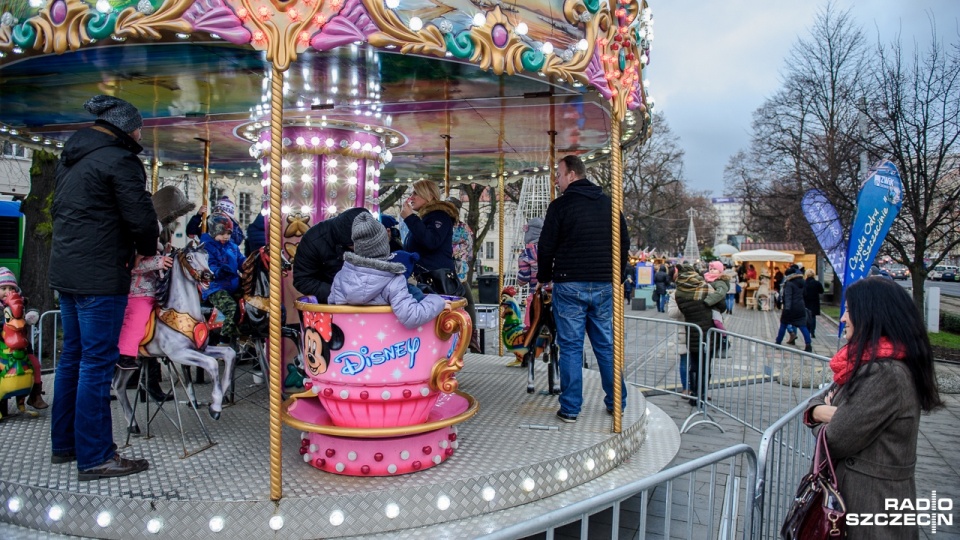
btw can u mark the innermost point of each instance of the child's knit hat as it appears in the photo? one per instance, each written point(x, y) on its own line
point(370, 238)
point(218, 224)
point(7, 278)
point(716, 266)
point(225, 206)
point(407, 259)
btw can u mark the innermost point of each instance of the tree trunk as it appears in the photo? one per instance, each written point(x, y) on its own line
point(39, 230)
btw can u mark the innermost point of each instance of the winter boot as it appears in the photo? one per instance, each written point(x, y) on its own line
point(153, 381)
point(808, 348)
point(793, 338)
point(35, 399)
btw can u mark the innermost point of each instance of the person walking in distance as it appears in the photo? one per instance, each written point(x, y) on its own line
point(575, 253)
point(102, 217)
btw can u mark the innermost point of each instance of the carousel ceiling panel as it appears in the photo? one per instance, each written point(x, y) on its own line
point(212, 91)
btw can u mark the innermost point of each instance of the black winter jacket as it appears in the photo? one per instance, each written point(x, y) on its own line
point(432, 235)
point(102, 213)
point(576, 241)
point(256, 235)
point(320, 254)
point(794, 311)
point(812, 289)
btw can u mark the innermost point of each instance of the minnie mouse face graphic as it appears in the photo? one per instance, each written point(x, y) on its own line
point(319, 338)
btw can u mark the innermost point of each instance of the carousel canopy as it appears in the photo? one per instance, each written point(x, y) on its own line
point(500, 81)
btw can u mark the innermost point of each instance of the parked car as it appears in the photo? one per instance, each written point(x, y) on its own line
point(949, 275)
point(937, 273)
point(898, 271)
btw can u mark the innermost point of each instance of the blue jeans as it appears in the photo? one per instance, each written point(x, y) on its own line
point(789, 327)
point(662, 303)
point(683, 370)
point(731, 300)
point(91, 330)
point(584, 308)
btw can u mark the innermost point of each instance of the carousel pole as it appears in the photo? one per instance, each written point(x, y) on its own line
point(616, 191)
point(553, 149)
point(155, 172)
point(501, 197)
point(205, 201)
point(553, 164)
point(275, 241)
point(446, 166)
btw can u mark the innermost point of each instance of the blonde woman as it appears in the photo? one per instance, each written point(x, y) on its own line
point(430, 221)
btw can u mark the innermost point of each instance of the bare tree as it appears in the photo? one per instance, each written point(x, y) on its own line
point(36, 248)
point(913, 113)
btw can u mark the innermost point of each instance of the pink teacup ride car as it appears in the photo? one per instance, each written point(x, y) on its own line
point(382, 399)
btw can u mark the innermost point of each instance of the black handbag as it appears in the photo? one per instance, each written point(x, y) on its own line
point(441, 281)
point(818, 508)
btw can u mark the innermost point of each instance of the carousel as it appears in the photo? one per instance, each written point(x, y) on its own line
point(392, 432)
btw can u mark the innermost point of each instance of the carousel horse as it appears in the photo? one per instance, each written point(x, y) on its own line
point(539, 339)
point(254, 308)
point(16, 372)
point(177, 330)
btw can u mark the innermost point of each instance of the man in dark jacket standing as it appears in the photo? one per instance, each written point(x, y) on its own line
point(575, 253)
point(320, 254)
point(102, 217)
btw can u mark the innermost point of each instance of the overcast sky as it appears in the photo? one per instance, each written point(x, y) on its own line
point(714, 63)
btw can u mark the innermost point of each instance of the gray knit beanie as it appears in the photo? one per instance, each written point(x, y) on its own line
point(115, 111)
point(370, 238)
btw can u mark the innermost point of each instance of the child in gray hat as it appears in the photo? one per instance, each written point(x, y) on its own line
point(368, 277)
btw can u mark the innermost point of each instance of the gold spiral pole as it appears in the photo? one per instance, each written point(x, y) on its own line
point(275, 240)
point(501, 198)
point(155, 172)
point(616, 195)
point(553, 164)
point(446, 165)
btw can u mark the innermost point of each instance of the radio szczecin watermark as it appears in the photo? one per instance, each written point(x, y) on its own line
point(932, 512)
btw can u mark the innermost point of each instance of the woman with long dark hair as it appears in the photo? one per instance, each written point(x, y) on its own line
point(883, 378)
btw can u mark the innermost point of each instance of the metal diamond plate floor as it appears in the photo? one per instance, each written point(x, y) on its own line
point(513, 452)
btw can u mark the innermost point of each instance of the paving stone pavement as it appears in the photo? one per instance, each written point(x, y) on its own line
point(938, 447)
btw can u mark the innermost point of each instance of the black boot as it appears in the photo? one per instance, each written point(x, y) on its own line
point(153, 382)
point(693, 383)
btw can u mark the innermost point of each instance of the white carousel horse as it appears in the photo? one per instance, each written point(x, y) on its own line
point(176, 330)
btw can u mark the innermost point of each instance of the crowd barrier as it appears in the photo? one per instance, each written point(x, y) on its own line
point(45, 340)
point(752, 381)
point(784, 456)
point(716, 491)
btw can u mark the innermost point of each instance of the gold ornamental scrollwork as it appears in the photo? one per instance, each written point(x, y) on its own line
point(69, 35)
point(168, 17)
point(449, 323)
point(279, 32)
point(394, 33)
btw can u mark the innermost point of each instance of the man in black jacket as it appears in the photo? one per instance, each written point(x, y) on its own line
point(102, 217)
point(575, 253)
point(320, 254)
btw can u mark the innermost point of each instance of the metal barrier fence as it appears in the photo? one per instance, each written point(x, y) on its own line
point(784, 456)
point(656, 353)
point(707, 513)
point(45, 339)
point(753, 381)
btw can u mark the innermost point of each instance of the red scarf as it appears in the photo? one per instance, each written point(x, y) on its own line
point(843, 367)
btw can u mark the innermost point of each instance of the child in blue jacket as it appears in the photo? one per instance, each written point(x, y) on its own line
point(225, 260)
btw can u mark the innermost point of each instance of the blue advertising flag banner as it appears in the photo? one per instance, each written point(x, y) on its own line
point(825, 223)
point(878, 204)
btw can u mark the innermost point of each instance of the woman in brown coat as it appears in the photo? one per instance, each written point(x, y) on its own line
point(883, 379)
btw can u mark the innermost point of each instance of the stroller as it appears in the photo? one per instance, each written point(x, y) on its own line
point(537, 340)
